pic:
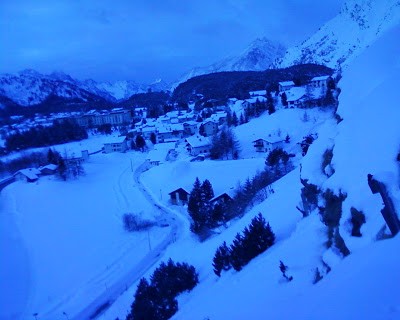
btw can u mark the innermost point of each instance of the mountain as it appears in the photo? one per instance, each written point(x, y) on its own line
point(340, 40)
point(257, 57)
point(30, 87)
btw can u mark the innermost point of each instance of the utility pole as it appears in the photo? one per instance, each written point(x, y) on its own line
point(148, 238)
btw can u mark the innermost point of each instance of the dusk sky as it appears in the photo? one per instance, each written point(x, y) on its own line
point(144, 40)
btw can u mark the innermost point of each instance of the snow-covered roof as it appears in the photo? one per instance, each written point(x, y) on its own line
point(157, 155)
point(50, 166)
point(295, 93)
point(115, 140)
point(254, 99)
point(286, 83)
point(190, 123)
point(198, 141)
point(258, 93)
point(320, 78)
point(30, 173)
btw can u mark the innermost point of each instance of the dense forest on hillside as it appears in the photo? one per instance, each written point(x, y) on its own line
point(237, 84)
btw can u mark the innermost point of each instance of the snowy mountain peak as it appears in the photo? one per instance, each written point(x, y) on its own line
point(358, 24)
point(259, 55)
point(30, 87)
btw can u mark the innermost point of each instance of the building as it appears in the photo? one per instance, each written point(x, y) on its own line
point(190, 127)
point(223, 198)
point(179, 196)
point(295, 96)
point(268, 144)
point(94, 118)
point(117, 144)
point(258, 93)
point(49, 169)
point(29, 174)
point(210, 127)
point(198, 144)
point(285, 85)
point(320, 82)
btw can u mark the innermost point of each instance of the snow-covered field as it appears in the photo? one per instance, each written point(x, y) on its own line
point(65, 243)
point(73, 241)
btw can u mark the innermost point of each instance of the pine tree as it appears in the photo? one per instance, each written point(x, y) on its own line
point(222, 259)
point(241, 119)
point(153, 138)
point(234, 119)
point(284, 99)
point(194, 205)
point(237, 253)
point(62, 169)
point(142, 307)
point(140, 142)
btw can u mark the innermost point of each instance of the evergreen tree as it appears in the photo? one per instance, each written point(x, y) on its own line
point(221, 259)
point(140, 142)
point(62, 169)
point(153, 138)
point(194, 205)
point(234, 119)
point(284, 99)
point(142, 307)
point(237, 253)
point(229, 117)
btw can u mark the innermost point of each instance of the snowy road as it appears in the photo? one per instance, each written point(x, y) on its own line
point(102, 302)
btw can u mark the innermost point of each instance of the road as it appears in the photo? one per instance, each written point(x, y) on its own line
point(96, 307)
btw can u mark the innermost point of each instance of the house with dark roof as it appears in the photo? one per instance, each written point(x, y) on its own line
point(179, 196)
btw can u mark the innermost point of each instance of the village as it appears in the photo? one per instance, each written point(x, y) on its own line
point(178, 134)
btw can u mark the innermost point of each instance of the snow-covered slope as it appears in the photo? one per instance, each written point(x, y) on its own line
point(340, 40)
point(30, 87)
point(363, 285)
point(258, 56)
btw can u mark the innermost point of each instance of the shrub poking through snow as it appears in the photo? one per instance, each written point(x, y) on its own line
point(256, 238)
point(134, 223)
point(357, 220)
point(284, 269)
point(157, 300)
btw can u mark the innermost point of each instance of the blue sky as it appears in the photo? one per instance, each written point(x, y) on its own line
point(144, 40)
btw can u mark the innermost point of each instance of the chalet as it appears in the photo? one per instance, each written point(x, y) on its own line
point(223, 198)
point(198, 144)
point(72, 161)
point(320, 82)
point(219, 117)
point(179, 196)
point(116, 144)
point(29, 174)
point(295, 96)
point(48, 170)
point(258, 93)
point(190, 127)
point(210, 127)
point(285, 85)
point(268, 144)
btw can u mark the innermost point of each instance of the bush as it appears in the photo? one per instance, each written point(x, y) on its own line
point(134, 223)
point(357, 219)
point(156, 300)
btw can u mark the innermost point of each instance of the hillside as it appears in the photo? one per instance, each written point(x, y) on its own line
point(237, 84)
point(342, 39)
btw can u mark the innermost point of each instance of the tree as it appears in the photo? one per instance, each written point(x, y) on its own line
point(140, 142)
point(153, 138)
point(221, 259)
point(234, 119)
point(237, 253)
point(62, 169)
point(284, 99)
point(270, 103)
point(194, 205)
point(277, 156)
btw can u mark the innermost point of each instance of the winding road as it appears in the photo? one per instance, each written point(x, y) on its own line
point(96, 307)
